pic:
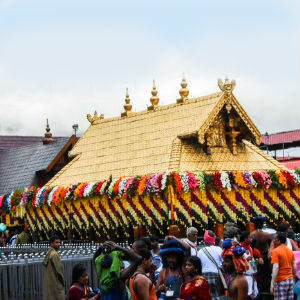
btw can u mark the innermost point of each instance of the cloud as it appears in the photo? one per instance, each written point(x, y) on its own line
point(63, 66)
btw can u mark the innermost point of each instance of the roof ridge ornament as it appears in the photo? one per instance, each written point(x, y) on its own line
point(95, 117)
point(226, 87)
point(127, 106)
point(48, 135)
point(154, 99)
point(183, 92)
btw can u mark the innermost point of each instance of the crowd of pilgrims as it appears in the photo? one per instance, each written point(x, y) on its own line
point(236, 268)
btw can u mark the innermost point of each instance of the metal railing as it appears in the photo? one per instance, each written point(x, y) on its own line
point(21, 269)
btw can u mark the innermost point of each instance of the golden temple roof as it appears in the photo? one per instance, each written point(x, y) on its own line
point(209, 133)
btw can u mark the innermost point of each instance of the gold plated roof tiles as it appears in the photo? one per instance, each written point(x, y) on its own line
point(165, 138)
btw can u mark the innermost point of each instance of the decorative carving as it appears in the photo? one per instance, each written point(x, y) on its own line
point(215, 135)
point(227, 87)
point(228, 108)
point(233, 132)
point(95, 118)
point(229, 101)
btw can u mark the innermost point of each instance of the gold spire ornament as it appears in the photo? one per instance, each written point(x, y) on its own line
point(153, 99)
point(127, 106)
point(93, 119)
point(183, 92)
point(48, 135)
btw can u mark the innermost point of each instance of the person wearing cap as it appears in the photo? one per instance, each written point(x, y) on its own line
point(191, 239)
point(235, 265)
point(171, 277)
point(211, 260)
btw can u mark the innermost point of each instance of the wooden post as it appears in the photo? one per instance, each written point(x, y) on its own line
point(173, 230)
point(136, 233)
point(250, 227)
point(219, 230)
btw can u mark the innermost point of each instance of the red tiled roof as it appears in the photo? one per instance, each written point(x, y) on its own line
point(281, 137)
point(292, 164)
point(14, 141)
point(284, 158)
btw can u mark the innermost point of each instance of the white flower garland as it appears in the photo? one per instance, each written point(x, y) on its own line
point(295, 175)
point(37, 198)
point(164, 180)
point(8, 200)
point(184, 181)
point(253, 182)
point(49, 198)
point(88, 189)
point(121, 186)
point(225, 180)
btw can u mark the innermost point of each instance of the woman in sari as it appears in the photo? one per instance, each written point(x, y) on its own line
point(79, 289)
point(196, 287)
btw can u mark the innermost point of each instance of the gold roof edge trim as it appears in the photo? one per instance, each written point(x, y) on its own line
point(264, 155)
point(234, 102)
point(161, 107)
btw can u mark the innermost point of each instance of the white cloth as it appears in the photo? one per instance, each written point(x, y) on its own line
point(252, 286)
point(289, 244)
point(207, 265)
point(193, 246)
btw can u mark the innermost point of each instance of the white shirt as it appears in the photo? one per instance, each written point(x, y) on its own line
point(193, 246)
point(207, 265)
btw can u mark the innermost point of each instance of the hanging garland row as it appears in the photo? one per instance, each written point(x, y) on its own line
point(109, 217)
point(150, 185)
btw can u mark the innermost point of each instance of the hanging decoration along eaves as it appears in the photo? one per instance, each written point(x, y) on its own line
point(149, 185)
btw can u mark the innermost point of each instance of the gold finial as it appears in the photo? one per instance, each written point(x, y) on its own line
point(94, 118)
point(127, 106)
point(154, 99)
point(183, 92)
point(48, 135)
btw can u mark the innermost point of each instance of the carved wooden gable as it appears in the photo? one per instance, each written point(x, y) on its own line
point(227, 124)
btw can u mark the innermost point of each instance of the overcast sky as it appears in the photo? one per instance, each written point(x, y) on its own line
point(63, 59)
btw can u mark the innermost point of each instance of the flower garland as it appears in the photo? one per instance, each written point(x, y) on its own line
point(151, 184)
point(113, 216)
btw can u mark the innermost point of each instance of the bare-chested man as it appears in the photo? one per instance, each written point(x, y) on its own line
point(235, 265)
point(262, 243)
point(141, 286)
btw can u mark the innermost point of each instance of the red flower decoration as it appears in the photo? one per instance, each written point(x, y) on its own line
point(258, 178)
point(289, 178)
point(178, 184)
point(216, 179)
